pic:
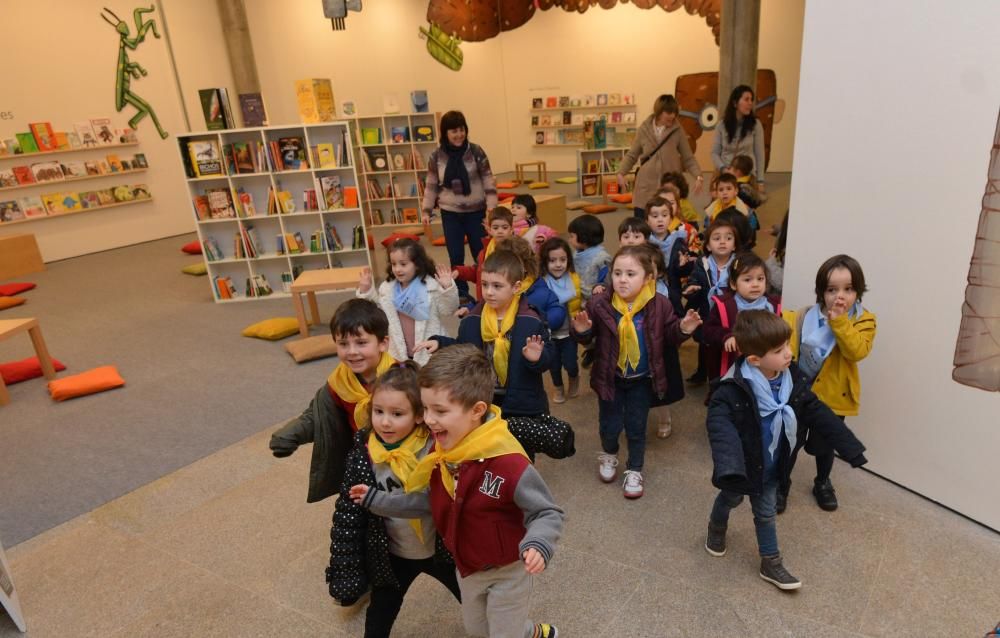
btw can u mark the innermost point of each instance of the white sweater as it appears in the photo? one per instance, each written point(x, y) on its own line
point(443, 303)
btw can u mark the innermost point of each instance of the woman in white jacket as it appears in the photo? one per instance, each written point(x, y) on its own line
point(415, 297)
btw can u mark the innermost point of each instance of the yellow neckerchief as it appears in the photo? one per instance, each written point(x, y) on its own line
point(401, 460)
point(674, 224)
point(345, 383)
point(575, 303)
point(489, 332)
point(490, 247)
point(743, 180)
point(489, 440)
point(526, 283)
point(628, 338)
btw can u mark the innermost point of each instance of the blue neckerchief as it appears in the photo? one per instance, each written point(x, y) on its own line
point(718, 278)
point(760, 303)
point(562, 287)
point(412, 300)
point(817, 340)
point(661, 288)
point(783, 416)
point(667, 243)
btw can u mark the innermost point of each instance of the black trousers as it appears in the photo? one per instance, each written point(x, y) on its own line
point(387, 601)
point(824, 462)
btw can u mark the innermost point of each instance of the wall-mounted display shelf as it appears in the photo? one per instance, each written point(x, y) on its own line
point(575, 125)
point(272, 201)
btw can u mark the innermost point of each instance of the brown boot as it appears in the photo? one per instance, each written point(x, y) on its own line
point(574, 387)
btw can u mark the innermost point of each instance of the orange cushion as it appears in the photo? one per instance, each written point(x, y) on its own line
point(89, 382)
point(506, 184)
point(393, 237)
point(10, 302)
point(18, 371)
point(597, 209)
point(439, 241)
point(623, 198)
point(194, 248)
point(9, 290)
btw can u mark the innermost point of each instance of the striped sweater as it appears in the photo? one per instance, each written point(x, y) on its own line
point(483, 188)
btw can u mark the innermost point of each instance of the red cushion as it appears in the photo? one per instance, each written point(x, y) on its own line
point(9, 290)
point(507, 184)
point(194, 248)
point(623, 198)
point(17, 371)
point(502, 195)
point(393, 237)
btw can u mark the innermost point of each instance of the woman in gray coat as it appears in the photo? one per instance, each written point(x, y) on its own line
point(662, 146)
point(740, 133)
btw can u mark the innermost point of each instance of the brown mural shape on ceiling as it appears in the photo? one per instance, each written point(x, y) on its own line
point(697, 94)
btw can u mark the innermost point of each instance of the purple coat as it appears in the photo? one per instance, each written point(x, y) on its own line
point(661, 327)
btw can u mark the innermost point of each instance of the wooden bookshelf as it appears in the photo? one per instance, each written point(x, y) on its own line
point(230, 232)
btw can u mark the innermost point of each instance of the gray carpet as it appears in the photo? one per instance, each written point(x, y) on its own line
point(194, 385)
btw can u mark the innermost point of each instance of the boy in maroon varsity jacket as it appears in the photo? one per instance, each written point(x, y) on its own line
point(489, 504)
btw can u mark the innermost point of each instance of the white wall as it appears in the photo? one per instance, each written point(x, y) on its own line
point(64, 72)
point(891, 157)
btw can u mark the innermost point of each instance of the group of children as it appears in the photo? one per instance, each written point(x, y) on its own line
point(429, 439)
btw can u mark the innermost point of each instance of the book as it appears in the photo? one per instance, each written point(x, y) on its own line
point(205, 157)
point(423, 133)
point(350, 196)
point(602, 99)
point(27, 143)
point(540, 137)
point(103, 130)
point(211, 109)
point(45, 138)
point(551, 102)
point(419, 101)
point(23, 175)
point(600, 134)
point(220, 203)
point(326, 155)
point(399, 162)
point(377, 158)
point(593, 166)
point(348, 108)
point(125, 136)
point(86, 133)
point(293, 153)
point(105, 196)
point(115, 163)
point(7, 178)
point(252, 109)
point(201, 207)
point(400, 134)
point(10, 211)
point(92, 168)
point(227, 109)
point(333, 196)
point(315, 100)
point(588, 185)
point(563, 101)
point(411, 216)
point(47, 171)
point(123, 193)
point(245, 200)
point(546, 120)
point(211, 250)
point(74, 169)
point(333, 238)
point(141, 191)
point(139, 160)
point(371, 135)
point(243, 156)
point(534, 120)
point(629, 117)
point(614, 99)
point(32, 206)
point(390, 104)
point(537, 103)
point(286, 202)
point(567, 117)
point(89, 199)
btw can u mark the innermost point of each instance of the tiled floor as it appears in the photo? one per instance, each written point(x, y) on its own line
point(228, 547)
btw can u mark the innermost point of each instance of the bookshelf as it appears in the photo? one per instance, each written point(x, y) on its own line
point(265, 187)
point(597, 168)
point(568, 125)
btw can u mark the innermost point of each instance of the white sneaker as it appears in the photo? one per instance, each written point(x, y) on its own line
point(633, 484)
point(664, 429)
point(608, 468)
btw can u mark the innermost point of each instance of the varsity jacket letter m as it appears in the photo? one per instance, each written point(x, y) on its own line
point(491, 485)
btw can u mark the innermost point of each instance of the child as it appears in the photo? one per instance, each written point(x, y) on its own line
point(747, 291)
point(586, 236)
point(340, 408)
point(726, 191)
point(828, 340)
point(746, 183)
point(688, 211)
point(631, 232)
point(536, 293)
point(556, 261)
point(414, 297)
point(526, 224)
point(753, 424)
point(709, 278)
point(631, 326)
point(386, 554)
point(493, 510)
point(501, 226)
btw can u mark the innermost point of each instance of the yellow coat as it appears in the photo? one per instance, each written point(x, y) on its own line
point(838, 384)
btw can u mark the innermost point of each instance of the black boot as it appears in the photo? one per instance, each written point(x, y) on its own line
point(826, 497)
point(715, 544)
point(780, 502)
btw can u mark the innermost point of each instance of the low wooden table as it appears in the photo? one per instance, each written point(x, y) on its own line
point(543, 172)
point(10, 327)
point(312, 281)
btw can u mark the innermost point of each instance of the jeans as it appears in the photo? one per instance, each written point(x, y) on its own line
point(565, 357)
point(628, 411)
point(386, 601)
point(763, 507)
point(458, 227)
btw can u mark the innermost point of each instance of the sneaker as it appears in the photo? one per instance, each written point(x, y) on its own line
point(608, 469)
point(633, 484)
point(715, 544)
point(587, 359)
point(664, 423)
point(775, 573)
point(545, 630)
point(780, 502)
point(574, 387)
point(560, 395)
point(826, 497)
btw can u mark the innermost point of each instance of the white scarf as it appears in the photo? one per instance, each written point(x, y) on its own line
point(784, 417)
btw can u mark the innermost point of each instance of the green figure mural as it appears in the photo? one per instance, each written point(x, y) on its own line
point(128, 70)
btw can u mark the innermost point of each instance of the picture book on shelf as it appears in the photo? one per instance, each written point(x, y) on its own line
point(286, 202)
point(86, 133)
point(32, 206)
point(333, 196)
point(399, 162)
point(537, 103)
point(141, 191)
point(211, 109)
point(246, 203)
point(205, 157)
point(419, 101)
point(115, 163)
point(351, 196)
point(220, 203)
point(10, 211)
point(74, 169)
point(47, 171)
point(92, 168)
point(7, 178)
point(348, 108)
point(103, 130)
point(89, 199)
point(588, 185)
point(293, 153)
point(423, 133)
point(593, 166)
point(602, 99)
point(201, 207)
point(140, 161)
point(377, 158)
point(551, 102)
point(326, 155)
point(27, 142)
point(128, 136)
point(252, 109)
point(371, 135)
point(106, 196)
point(600, 134)
point(45, 137)
point(314, 97)
point(123, 193)
point(244, 158)
point(400, 134)
point(72, 138)
point(24, 175)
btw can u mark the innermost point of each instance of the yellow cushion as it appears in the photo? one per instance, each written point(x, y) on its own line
point(310, 348)
point(566, 180)
point(577, 205)
point(597, 209)
point(273, 329)
point(89, 382)
point(195, 269)
point(539, 185)
point(10, 302)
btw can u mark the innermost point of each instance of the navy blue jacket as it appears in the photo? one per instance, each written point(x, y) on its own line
point(525, 392)
point(734, 432)
point(541, 297)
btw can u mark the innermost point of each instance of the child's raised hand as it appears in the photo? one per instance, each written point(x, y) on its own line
point(730, 344)
point(534, 563)
point(690, 290)
point(444, 276)
point(533, 347)
point(431, 346)
point(358, 493)
point(598, 289)
point(690, 322)
point(582, 322)
point(365, 284)
point(461, 312)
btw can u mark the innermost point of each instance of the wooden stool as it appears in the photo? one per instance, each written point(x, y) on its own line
point(312, 281)
point(9, 327)
point(543, 172)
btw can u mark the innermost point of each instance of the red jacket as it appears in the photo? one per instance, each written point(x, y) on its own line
point(483, 526)
point(471, 273)
point(719, 327)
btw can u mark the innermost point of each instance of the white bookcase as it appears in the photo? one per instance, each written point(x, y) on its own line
point(270, 261)
point(599, 167)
